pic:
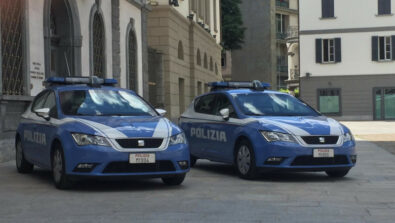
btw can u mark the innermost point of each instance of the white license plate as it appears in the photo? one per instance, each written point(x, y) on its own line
point(142, 158)
point(323, 153)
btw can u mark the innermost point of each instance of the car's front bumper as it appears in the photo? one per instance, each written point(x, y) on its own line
point(295, 157)
point(108, 162)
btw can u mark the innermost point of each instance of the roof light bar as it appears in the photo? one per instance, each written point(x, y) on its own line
point(91, 81)
point(256, 85)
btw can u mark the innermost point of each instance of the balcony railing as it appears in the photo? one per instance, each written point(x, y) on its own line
point(294, 74)
point(292, 32)
point(282, 3)
point(281, 35)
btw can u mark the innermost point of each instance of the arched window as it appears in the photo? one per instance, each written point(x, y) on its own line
point(12, 46)
point(216, 69)
point(211, 64)
point(205, 61)
point(131, 57)
point(98, 46)
point(198, 58)
point(180, 51)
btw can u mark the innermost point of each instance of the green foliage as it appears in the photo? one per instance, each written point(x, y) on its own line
point(232, 25)
point(295, 92)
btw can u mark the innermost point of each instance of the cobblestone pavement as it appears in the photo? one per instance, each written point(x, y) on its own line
point(211, 193)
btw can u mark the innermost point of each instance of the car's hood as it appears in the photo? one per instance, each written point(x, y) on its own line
point(302, 125)
point(127, 127)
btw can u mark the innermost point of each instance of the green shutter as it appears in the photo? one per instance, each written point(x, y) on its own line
point(338, 50)
point(375, 50)
point(318, 50)
point(393, 47)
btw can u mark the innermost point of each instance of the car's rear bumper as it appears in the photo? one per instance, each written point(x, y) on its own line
point(108, 162)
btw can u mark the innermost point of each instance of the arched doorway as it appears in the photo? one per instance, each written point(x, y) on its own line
point(62, 38)
point(131, 57)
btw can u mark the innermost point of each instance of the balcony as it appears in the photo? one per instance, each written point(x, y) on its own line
point(282, 3)
point(281, 36)
point(294, 74)
point(292, 33)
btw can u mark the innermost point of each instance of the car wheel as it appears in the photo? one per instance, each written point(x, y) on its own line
point(174, 180)
point(245, 160)
point(193, 160)
point(60, 178)
point(337, 173)
point(22, 165)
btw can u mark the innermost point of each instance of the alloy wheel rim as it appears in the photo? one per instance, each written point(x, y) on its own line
point(57, 166)
point(244, 159)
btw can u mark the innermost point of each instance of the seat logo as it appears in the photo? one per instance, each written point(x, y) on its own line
point(140, 143)
point(322, 139)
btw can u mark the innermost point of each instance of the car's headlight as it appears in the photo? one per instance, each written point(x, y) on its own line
point(347, 137)
point(178, 139)
point(83, 140)
point(277, 136)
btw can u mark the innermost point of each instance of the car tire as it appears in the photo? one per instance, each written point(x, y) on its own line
point(22, 165)
point(193, 160)
point(60, 178)
point(174, 180)
point(337, 173)
point(245, 160)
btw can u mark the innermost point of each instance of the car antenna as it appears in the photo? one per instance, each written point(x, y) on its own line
point(67, 64)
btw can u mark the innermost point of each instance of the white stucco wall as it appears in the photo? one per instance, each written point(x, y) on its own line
point(128, 11)
point(35, 51)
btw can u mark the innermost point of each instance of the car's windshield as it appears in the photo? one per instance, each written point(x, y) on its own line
point(99, 102)
point(271, 104)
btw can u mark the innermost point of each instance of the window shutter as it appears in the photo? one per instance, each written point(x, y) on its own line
point(393, 47)
point(384, 7)
point(318, 50)
point(331, 9)
point(375, 53)
point(325, 7)
point(338, 50)
point(380, 7)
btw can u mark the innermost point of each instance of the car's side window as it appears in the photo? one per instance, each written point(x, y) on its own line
point(38, 103)
point(223, 102)
point(51, 104)
point(206, 104)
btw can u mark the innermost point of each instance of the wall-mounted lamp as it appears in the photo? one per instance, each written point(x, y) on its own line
point(308, 75)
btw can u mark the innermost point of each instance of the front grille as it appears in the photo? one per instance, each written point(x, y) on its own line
point(311, 161)
point(126, 167)
point(317, 140)
point(134, 143)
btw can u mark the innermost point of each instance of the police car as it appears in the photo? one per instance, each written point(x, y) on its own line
point(85, 127)
point(244, 124)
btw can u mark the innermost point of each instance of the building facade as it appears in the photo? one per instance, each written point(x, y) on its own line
point(44, 38)
point(187, 35)
point(348, 58)
point(270, 49)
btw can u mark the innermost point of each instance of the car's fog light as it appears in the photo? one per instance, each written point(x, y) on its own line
point(183, 164)
point(274, 160)
point(84, 167)
point(353, 158)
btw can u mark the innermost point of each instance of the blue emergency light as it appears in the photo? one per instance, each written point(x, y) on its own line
point(255, 85)
point(91, 81)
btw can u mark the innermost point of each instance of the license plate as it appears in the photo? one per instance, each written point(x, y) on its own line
point(142, 158)
point(323, 153)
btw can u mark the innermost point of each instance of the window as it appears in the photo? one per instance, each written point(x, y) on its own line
point(207, 12)
point(199, 58)
point(215, 15)
point(280, 23)
point(383, 48)
point(51, 104)
point(12, 47)
point(329, 101)
point(181, 94)
point(384, 7)
point(39, 101)
point(211, 64)
point(132, 60)
point(216, 69)
point(328, 9)
point(223, 102)
point(205, 61)
point(199, 88)
point(206, 104)
point(98, 38)
point(328, 50)
point(180, 51)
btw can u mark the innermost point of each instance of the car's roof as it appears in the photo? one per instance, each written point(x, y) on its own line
point(245, 91)
point(81, 87)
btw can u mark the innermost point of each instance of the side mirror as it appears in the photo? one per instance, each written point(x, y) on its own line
point(224, 113)
point(161, 112)
point(43, 112)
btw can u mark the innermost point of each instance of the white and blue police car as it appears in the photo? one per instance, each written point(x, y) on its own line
point(256, 129)
point(86, 127)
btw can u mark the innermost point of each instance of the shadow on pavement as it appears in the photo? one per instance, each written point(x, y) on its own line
point(229, 170)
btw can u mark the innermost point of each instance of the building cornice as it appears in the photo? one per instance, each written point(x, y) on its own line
point(347, 30)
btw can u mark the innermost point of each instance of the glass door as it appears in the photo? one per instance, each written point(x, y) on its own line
point(384, 104)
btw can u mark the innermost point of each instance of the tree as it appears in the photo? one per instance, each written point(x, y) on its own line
point(232, 25)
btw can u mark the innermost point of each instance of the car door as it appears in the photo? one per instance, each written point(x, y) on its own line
point(196, 128)
point(46, 130)
point(222, 131)
point(30, 124)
